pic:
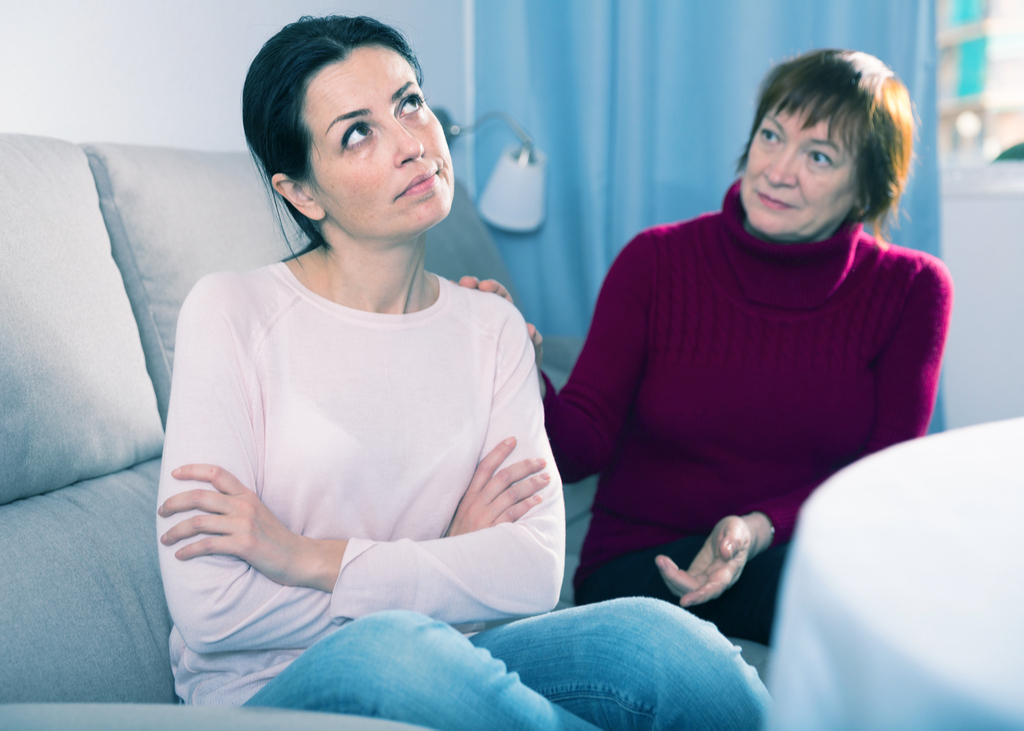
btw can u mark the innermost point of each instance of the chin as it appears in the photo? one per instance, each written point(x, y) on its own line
point(768, 228)
point(435, 209)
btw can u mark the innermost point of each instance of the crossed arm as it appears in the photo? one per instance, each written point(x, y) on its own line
point(234, 522)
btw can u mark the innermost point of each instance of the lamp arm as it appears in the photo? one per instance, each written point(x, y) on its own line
point(455, 130)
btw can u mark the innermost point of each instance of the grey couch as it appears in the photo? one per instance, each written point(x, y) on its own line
point(99, 244)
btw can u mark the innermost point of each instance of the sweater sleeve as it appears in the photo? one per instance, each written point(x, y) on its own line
point(220, 603)
point(585, 419)
point(512, 569)
point(906, 381)
point(907, 371)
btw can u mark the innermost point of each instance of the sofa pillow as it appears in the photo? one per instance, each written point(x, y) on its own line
point(173, 217)
point(82, 610)
point(75, 399)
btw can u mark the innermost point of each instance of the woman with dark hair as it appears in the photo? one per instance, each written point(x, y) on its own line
point(338, 489)
point(737, 360)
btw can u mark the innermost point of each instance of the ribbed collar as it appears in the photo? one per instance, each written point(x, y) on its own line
point(789, 276)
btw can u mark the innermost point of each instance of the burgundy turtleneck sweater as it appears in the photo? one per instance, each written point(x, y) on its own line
point(724, 374)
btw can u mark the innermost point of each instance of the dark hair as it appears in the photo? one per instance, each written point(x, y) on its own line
point(274, 95)
point(867, 107)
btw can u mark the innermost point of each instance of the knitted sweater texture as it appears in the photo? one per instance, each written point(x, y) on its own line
point(724, 374)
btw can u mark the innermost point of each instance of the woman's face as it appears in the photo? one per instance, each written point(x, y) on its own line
point(798, 185)
point(381, 166)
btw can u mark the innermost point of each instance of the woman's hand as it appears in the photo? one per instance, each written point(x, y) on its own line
point(733, 541)
point(486, 285)
point(493, 285)
point(502, 497)
point(237, 523)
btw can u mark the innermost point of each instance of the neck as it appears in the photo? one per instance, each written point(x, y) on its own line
point(389, 280)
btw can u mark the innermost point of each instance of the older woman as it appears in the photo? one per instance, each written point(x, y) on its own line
point(737, 360)
point(327, 415)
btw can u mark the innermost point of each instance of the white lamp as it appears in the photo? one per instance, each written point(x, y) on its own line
point(513, 198)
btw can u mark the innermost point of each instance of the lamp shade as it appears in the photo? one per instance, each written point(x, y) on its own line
point(513, 198)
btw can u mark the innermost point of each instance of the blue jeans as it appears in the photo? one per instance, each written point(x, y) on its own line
point(623, 664)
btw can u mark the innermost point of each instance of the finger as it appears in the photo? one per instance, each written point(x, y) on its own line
point(717, 582)
point(520, 490)
point(521, 508)
point(493, 285)
point(219, 477)
point(510, 475)
point(470, 282)
point(491, 462)
point(678, 581)
point(198, 525)
point(710, 590)
point(210, 546)
point(209, 501)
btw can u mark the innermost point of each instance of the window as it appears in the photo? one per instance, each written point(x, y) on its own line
point(981, 80)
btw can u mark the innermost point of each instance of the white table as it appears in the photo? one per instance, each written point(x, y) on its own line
point(903, 602)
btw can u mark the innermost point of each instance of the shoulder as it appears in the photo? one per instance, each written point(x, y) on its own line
point(670, 239)
point(484, 311)
point(918, 269)
point(239, 300)
point(906, 280)
point(492, 318)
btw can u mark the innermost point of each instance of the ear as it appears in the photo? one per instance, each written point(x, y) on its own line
point(298, 195)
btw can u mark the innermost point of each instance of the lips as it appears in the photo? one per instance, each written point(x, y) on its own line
point(773, 203)
point(419, 184)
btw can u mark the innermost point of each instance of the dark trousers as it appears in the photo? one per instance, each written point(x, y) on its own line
point(744, 610)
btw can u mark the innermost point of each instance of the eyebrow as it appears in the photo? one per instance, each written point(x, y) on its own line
point(772, 118)
point(366, 112)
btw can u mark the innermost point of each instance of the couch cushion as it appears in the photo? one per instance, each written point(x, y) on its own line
point(82, 610)
point(137, 717)
point(75, 399)
point(173, 217)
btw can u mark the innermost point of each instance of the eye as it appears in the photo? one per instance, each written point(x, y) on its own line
point(355, 134)
point(411, 104)
point(768, 135)
point(820, 158)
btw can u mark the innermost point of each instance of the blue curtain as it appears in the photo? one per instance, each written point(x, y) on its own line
point(643, 108)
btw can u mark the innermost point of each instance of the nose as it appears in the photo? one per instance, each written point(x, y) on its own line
point(782, 171)
point(408, 148)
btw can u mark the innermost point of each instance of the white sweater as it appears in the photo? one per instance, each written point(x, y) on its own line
point(349, 425)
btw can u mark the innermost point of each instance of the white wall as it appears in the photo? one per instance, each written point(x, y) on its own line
point(983, 246)
point(170, 73)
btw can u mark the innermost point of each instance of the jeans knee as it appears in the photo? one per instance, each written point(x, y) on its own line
point(394, 642)
point(386, 664)
point(681, 655)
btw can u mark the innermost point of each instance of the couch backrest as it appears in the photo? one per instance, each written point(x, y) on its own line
point(174, 216)
point(82, 611)
point(75, 400)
